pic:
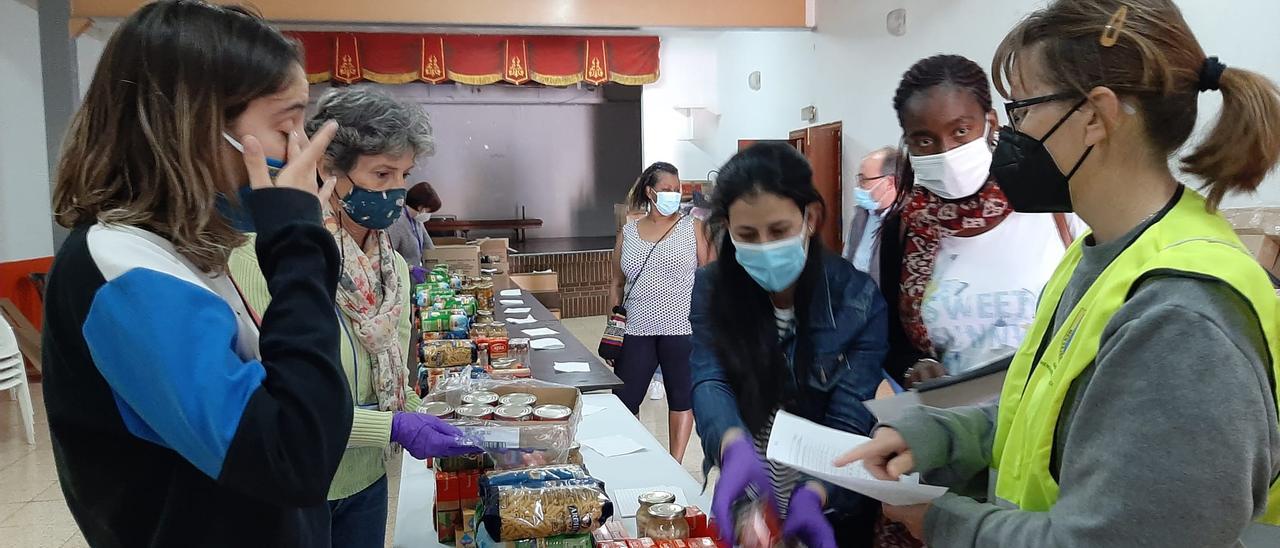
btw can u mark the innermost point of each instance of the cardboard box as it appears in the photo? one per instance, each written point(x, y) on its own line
point(537, 282)
point(494, 260)
point(1264, 248)
point(463, 259)
point(469, 488)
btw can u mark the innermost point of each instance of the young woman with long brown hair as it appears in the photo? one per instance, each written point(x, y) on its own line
point(176, 417)
point(1141, 408)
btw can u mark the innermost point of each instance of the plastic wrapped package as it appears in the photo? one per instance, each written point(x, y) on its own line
point(1254, 220)
point(515, 444)
point(448, 353)
point(535, 475)
point(545, 510)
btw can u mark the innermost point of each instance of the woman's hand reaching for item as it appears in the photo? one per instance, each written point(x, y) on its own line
point(886, 456)
point(426, 436)
point(805, 520)
point(924, 370)
point(299, 172)
point(740, 468)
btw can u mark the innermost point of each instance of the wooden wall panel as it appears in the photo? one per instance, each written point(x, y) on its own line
point(584, 279)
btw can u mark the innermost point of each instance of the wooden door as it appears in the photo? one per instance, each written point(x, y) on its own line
point(821, 145)
point(744, 144)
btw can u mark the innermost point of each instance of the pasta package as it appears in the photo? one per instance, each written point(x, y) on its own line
point(448, 353)
point(534, 475)
point(550, 509)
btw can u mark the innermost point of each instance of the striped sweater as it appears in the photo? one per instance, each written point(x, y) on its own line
point(363, 463)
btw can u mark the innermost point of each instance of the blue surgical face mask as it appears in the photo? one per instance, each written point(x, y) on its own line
point(374, 210)
point(863, 198)
point(774, 265)
point(668, 203)
point(274, 165)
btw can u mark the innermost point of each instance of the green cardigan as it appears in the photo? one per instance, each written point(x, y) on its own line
point(363, 463)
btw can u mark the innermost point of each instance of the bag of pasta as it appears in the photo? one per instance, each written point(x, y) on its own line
point(540, 510)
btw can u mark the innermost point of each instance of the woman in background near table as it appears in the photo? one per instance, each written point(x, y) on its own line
point(174, 419)
point(376, 147)
point(1141, 410)
point(968, 268)
point(409, 233)
point(657, 256)
point(780, 323)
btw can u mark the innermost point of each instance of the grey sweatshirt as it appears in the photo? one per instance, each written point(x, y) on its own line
point(402, 239)
point(1168, 439)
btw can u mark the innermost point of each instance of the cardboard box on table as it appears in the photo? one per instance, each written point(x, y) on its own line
point(548, 440)
point(494, 259)
point(1259, 229)
point(463, 259)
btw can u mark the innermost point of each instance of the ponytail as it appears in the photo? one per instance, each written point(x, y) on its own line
point(1244, 144)
point(637, 200)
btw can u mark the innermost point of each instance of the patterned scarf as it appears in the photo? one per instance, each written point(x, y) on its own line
point(375, 316)
point(927, 219)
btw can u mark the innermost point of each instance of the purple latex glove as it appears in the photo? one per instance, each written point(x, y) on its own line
point(805, 521)
point(418, 274)
point(740, 468)
point(427, 436)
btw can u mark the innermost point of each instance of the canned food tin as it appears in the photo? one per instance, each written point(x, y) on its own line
point(437, 409)
point(513, 413)
point(551, 413)
point(518, 398)
point(472, 411)
point(480, 397)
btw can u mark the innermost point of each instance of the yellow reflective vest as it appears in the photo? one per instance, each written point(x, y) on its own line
point(1189, 240)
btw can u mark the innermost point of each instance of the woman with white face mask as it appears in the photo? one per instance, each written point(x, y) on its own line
point(654, 262)
point(968, 268)
point(409, 233)
point(780, 323)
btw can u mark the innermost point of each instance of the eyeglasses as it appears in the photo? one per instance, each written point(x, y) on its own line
point(863, 180)
point(1011, 108)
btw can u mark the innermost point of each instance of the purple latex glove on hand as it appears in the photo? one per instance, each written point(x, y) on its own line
point(805, 521)
point(740, 468)
point(427, 436)
point(417, 274)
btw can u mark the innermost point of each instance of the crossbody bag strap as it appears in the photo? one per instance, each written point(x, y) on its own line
point(627, 295)
point(1064, 229)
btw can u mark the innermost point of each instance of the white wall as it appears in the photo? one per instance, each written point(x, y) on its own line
point(24, 173)
point(710, 69)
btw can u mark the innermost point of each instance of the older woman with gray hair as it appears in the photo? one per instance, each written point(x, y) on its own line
point(378, 143)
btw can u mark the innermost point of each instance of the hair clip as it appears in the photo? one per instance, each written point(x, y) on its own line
point(1111, 34)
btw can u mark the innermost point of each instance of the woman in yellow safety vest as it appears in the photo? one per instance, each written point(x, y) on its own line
point(1141, 407)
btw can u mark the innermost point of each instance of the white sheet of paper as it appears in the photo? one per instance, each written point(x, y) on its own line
point(517, 311)
point(613, 446)
point(511, 302)
point(573, 367)
point(540, 332)
point(546, 344)
point(627, 501)
point(588, 409)
point(811, 448)
point(510, 293)
point(527, 319)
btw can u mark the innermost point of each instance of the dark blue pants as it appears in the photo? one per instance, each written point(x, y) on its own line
point(360, 520)
point(641, 356)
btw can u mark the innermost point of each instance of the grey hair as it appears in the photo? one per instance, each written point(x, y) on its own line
point(370, 123)
point(890, 159)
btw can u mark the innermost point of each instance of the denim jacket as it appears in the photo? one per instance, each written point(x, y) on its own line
point(847, 333)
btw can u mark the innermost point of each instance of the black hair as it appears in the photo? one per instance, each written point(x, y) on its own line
point(637, 199)
point(939, 70)
point(742, 319)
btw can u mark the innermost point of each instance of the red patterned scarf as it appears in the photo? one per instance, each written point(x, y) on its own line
point(927, 219)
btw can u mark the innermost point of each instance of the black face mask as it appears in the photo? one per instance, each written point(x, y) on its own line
point(1027, 174)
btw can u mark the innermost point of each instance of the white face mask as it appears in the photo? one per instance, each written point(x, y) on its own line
point(422, 216)
point(956, 173)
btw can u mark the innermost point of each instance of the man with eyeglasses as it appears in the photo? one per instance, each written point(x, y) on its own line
point(875, 194)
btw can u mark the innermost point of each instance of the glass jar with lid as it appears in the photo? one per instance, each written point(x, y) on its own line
point(647, 500)
point(666, 522)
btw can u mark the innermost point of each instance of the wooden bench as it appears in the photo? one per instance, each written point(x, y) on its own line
point(462, 227)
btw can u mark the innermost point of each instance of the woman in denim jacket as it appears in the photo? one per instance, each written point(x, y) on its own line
point(780, 323)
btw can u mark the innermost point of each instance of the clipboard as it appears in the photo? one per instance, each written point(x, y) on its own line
point(975, 386)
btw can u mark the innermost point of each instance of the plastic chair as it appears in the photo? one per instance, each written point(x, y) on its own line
point(13, 377)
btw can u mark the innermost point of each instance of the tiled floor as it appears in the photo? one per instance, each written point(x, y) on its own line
point(33, 513)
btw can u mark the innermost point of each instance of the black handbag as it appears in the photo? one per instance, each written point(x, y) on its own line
point(615, 328)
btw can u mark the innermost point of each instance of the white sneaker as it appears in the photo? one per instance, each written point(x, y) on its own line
point(656, 390)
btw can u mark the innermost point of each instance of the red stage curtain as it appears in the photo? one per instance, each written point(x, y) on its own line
point(392, 58)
